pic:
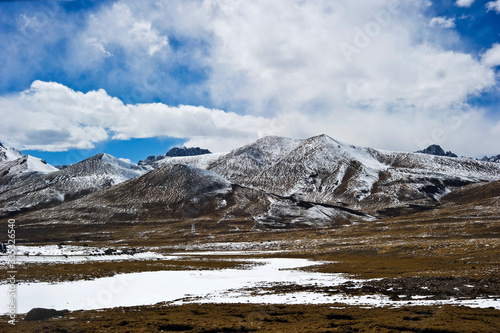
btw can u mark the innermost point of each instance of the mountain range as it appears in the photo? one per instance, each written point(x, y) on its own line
point(275, 182)
point(28, 183)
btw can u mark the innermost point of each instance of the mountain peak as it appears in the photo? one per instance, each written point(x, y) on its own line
point(436, 150)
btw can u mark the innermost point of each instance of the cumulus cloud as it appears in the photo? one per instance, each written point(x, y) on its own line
point(493, 5)
point(118, 26)
point(370, 72)
point(50, 116)
point(491, 57)
point(442, 22)
point(464, 3)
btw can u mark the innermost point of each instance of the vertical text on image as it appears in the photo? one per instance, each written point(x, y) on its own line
point(11, 264)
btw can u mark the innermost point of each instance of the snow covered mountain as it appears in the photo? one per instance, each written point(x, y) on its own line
point(273, 182)
point(90, 175)
point(188, 195)
point(323, 170)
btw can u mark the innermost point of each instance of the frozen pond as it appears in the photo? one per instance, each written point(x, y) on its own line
point(203, 286)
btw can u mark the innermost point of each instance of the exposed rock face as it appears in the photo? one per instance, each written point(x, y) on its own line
point(437, 151)
point(495, 158)
point(184, 151)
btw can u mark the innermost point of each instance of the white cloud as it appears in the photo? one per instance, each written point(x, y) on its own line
point(117, 28)
point(370, 72)
point(491, 57)
point(464, 3)
point(493, 5)
point(442, 22)
point(51, 116)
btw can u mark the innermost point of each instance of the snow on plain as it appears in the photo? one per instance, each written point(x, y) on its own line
point(206, 286)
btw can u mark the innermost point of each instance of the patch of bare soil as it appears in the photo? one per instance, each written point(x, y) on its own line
point(213, 318)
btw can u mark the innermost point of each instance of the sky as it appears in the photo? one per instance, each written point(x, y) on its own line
point(135, 78)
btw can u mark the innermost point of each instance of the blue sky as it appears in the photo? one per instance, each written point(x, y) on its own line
point(135, 78)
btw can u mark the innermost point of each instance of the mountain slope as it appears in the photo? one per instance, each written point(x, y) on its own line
point(180, 199)
point(90, 175)
point(22, 169)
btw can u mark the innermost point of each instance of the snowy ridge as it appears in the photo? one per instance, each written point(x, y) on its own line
point(93, 174)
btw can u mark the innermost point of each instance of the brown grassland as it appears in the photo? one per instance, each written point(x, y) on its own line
point(443, 250)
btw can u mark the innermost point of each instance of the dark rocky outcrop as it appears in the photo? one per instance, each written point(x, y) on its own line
point(44, 314)
point(437, 151)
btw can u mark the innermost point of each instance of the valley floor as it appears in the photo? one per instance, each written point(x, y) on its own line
point(420, 273)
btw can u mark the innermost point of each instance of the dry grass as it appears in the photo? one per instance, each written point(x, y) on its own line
point(268, 318)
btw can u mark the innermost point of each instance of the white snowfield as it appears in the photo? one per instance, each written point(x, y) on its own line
point(206, 286)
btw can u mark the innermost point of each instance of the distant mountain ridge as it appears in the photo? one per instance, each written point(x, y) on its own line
point(491, 159)
point(176, 152)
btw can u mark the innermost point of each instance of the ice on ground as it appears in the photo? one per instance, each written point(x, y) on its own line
point(205, 286)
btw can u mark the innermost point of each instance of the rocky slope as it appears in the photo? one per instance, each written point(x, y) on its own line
point(16, 168)
point(191, 195)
